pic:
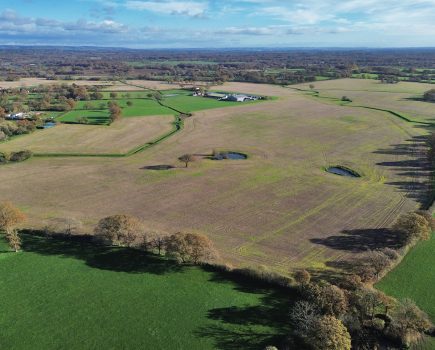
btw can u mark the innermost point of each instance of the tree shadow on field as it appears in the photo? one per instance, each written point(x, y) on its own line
point(410, 167)
point(247, 327)
point(250, 327)
point(97, 256)
point(361, 240)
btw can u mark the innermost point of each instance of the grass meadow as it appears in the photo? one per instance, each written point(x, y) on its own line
point(414, 278)
point(58, 294)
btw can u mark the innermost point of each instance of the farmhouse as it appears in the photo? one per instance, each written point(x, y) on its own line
point(216, 95)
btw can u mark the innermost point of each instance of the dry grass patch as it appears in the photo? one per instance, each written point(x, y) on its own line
point(396, 97)
point(120, 137)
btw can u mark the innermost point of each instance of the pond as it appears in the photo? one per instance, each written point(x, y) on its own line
point(229, 155)
point(342, 171)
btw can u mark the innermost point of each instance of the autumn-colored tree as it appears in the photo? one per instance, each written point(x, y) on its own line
point(71, 102)
point(302, 277)
point(2, 113)
point(119, 229)
point(412, 226)
point(330, 299)
point(329, 333)
point(10, 217)
point(114, 111)
point(190, 247)
point(187, 158)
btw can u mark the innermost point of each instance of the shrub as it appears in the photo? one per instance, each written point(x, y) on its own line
point(20, 156)
point(302, 277)
point(262, 274)
point(4, 157)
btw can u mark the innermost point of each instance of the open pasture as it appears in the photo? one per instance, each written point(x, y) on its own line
point(402, 97)
point(278, 208)
point(55, 290)
point(120, 137)
point(413, 276)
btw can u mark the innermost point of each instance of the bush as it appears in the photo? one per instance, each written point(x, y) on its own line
point(4, 157)
point(302, 277)
point(412, 226)
point(20, 156)
point(264, 275)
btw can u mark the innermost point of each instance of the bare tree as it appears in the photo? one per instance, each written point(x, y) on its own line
point(303, 315)
point(186, 159)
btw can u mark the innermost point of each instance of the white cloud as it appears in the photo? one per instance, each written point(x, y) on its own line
point(183, 8)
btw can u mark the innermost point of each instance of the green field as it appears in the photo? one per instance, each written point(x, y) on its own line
point(180, 100)
point(70, 295)
point(414, 278)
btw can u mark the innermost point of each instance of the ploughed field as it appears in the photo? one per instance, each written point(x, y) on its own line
point(279, 207)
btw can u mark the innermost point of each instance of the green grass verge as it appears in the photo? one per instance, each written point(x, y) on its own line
point(60, 294)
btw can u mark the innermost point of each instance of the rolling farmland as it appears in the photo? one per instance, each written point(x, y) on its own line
point(278, 208)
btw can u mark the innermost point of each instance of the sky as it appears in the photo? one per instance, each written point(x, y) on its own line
point(218, 24)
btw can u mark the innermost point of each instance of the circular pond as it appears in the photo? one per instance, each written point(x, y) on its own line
point(342, 171)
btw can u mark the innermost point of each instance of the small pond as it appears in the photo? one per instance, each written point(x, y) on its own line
point(342, 171)
point(229, 155)
point(158, 167)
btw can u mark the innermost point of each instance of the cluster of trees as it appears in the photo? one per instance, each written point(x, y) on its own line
point(127, 230)
point(8, 128)
point(352, 315)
